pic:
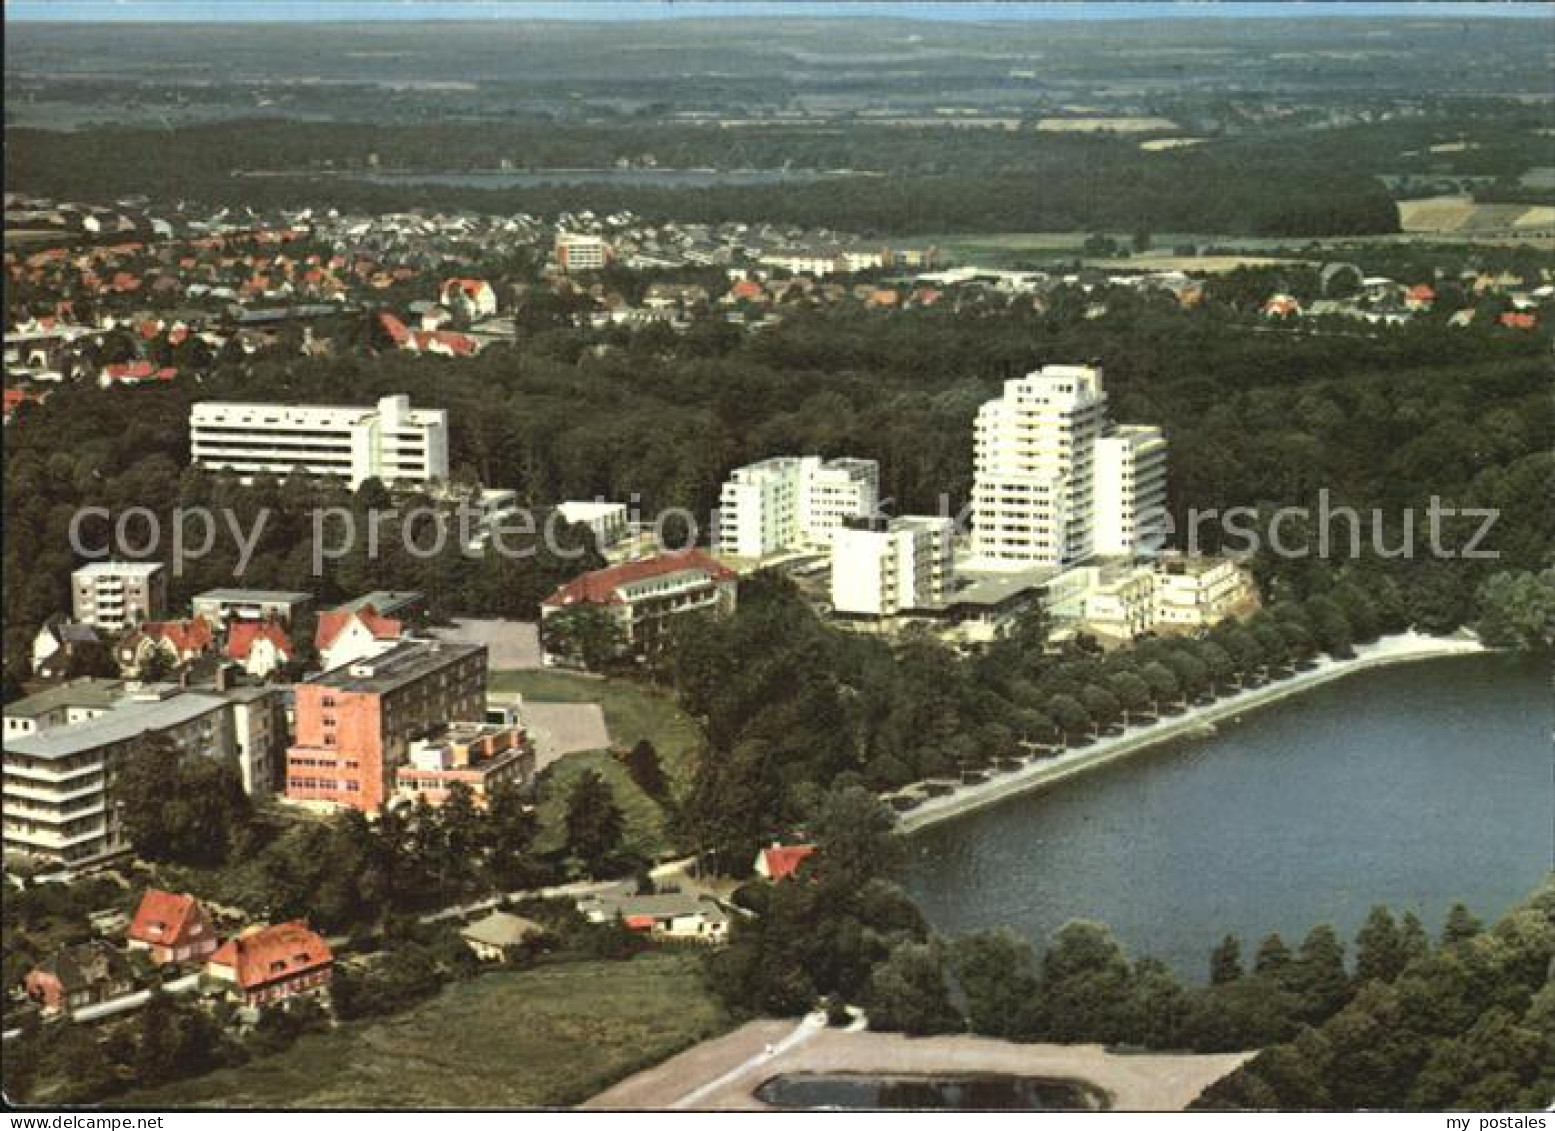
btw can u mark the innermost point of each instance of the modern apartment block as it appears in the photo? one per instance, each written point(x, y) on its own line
point(391, 442)
point(882, 567)
point(577, 251)
point(62, 748)
point(355, 725)
point(114, 595)
point(1055, 481)
point(219, 606)
point(791, 502)
point(1131, 491)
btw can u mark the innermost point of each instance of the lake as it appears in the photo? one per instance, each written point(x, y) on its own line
point(843, 1091)
point(1414, 786)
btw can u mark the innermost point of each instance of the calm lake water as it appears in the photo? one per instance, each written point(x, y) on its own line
point(1414, 786)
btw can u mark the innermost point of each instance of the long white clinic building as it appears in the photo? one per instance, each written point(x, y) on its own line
point(391, 441)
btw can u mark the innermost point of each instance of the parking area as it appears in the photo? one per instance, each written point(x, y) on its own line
point(511, 645)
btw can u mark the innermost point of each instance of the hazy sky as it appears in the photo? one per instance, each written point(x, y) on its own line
point(345, 11)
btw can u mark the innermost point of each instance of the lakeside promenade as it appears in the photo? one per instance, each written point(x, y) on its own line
point(1403, 648)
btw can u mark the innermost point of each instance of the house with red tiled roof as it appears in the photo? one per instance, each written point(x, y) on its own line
point(260, 646)
point(474, 296)
point(271, 964)
point(782, 861)
point(134, 373)
point(444, 343)
point(15, 398)
point(177, 642)
point(642, 597)
point(1516, 320)
point(172, 926)
point(345, 636)
point(1281, 306)
point(1421, 297)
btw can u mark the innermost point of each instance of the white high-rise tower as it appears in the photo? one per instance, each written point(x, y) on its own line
point(1055, 483)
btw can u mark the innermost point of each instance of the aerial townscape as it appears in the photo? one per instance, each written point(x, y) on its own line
point(853, 558)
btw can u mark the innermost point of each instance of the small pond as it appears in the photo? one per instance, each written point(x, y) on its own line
point(990, 1092)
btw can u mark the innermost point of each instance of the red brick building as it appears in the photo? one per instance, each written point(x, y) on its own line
point(355, 724)
point(274, 963)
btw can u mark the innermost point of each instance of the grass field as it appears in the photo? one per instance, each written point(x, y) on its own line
point(632, 712)
point(554, 1035)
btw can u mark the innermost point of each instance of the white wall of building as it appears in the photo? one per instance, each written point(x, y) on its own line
point(886, 568)
point(392, 441)
point(793, 502)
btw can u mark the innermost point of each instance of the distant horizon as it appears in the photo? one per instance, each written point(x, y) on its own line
point(251, 12)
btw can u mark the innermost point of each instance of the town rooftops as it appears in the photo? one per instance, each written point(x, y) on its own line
point(273, 954)
point(603, 586)
point(87, 693)
point(401, 665)
point(129, 718)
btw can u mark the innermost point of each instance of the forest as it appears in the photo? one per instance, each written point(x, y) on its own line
point(1258, 419)
point(920, 180)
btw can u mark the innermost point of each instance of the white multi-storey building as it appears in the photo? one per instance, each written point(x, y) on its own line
point(790, 502)
point(391, 442)
point(1131, 491)
point(578, 251)
point(1048, 464)
point(114, 595)
point(63, 747)
point(882, 567)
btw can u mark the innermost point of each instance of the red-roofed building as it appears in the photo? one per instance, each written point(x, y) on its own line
point(347, 635)
point(260, 646)
point(178, 642)
point(15, 398)
point(642, 596)
point(172, 926)
point(1515, 320)
point(273, 963)
point(445, 343)
point(781, 861)
point(134, 373)
point(398, 332)
point(475, 296)
point(1421, 297)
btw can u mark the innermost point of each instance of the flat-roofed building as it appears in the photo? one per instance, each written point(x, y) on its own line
point(355, 725)
point(219, 606)
point(1131, 491)
point(481, 756)
point(57, 777)
point(793, 502)
point(608, 521)
point(114, 595)
point(391, 442)
point(882, 567)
